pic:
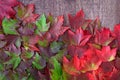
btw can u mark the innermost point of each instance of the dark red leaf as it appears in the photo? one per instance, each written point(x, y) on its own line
point(117, 63)
point(78, 37)
point(117, 34)
point(6, 9)
point(77, 20)
point(104, 37)
point(26, 13)
point(76, 49)
point(56, 30)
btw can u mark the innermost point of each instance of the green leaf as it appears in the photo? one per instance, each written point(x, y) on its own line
point(2, 76)
point(55, 46)
point(1, 67)
point(15, 59)
point(59, 55)
point(36, 62)
point(56, 73)
point(43, 43)
point(9, 26)
point(16, 62)
point(29, 54)
point(30, 77)
point(41, 24)
point(15, 76)
point(18, 43)
point(24, 78)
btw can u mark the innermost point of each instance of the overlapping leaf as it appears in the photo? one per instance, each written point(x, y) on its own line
point(104, 37)
point(46, 49)
point(78, 38)
point(57, 29)
point(25, 13)
point(107, 54)
point(77, 20)
point(6, 9)
point(9, 26)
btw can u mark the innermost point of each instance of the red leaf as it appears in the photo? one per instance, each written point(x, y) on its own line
point(56, 30)
point(69, 67)
point(104, 37)
point(25, 13)
point(77, 20)
point(117, 63)
point(105, 71)
point(106, 54)
point(33, 47)
point(76, 49)
point(32, 41)
point(6, 8)
point(78, 38)
point(90, 61)
point(76, 62)
point(117, 34)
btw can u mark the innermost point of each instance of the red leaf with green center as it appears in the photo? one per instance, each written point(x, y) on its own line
point(106, 53)
point(25, 13)
point(78, 37)
point(71, 67)
point(104, 37)
point(29, 42)
point(77, 20)
point(6, 9)
point(90, 61)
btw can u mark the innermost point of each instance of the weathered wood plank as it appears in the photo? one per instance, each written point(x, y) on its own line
point(107, 10)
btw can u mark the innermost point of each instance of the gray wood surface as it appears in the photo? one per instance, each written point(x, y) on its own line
point(107, 10)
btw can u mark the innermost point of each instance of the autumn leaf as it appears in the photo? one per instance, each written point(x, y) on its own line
point(78, 37)
point(26, 13)
point(77, 20)
point(56, 30)
point(117, 63)
point(104, 37)
point(79, 50)
point(27, 29)
point(6, 9)
point(117, 34)
point(29, 42)
point(106, 53)
point(89, 61)
point(71, 67)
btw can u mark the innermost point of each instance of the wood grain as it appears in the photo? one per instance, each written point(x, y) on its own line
point(107, 10)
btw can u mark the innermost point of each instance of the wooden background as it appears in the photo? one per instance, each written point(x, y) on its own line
point(107, 10)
